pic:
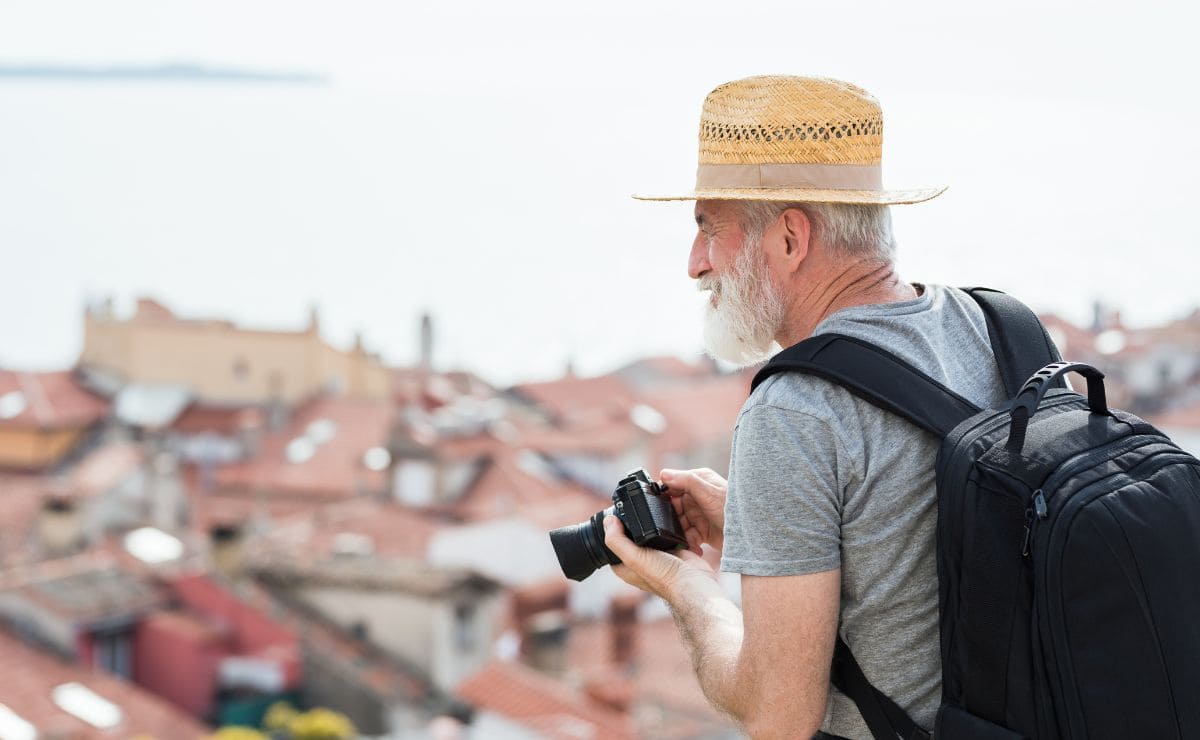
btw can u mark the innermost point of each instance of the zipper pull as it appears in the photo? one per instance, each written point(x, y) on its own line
point(1039, 504)
point(1028, 533)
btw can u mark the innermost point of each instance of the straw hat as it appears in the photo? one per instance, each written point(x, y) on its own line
point(805, 139)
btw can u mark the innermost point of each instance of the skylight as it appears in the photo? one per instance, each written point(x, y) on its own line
point(77, 699)
point(1110, 342)
point(648, 419)
point(15, 727)
point(300, 450)
point(12, 404)
point(377, 458)
point(321, 430)
point(153, 546)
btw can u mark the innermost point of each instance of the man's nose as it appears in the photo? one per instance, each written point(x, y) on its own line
point(698, 259)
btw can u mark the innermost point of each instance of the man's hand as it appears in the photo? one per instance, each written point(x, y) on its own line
point(668, 575)
point(699, 500)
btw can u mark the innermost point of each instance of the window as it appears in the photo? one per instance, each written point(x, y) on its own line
point(464, 627)
point(241, 368)
point(112, 652)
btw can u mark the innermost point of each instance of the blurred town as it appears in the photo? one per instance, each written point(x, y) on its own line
point(200, 521)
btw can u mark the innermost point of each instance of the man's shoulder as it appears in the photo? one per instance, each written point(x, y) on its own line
point(800, 395)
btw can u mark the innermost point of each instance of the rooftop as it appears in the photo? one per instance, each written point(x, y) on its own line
point(543, 704)
point(87, 588)
point(54, 400)
point(56, 697)
point(320, 454)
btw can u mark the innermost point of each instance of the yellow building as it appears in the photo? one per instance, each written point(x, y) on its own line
point(224, 364)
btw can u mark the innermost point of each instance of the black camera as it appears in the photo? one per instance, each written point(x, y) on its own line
point(641, 506)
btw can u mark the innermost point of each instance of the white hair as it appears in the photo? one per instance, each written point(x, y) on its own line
point(852, 229)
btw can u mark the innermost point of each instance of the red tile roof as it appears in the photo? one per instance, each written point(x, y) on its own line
point(104, 468)
point(90, 587)
point(391, 530)
point(698, 413)
point(513, 485)
point(665, 369)
point(34, 675)
point(603, 437)
point(208, 510)
point(21, 498)
point(54, 400)
point(427, 389)
point(223, 420)
point(336, 468)
point(546, 705)
point(581, 401)
point(662, 676)
point(1183, 417)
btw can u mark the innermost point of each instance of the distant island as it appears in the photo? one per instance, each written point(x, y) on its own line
point(175, 72)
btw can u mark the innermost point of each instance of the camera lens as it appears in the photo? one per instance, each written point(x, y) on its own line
point(580, 547)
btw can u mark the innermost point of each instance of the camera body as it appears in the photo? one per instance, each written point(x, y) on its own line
point(643, 509)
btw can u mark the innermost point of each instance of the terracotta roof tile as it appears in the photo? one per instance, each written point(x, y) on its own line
point(104, 468)
point(512, 485)
point(662, 676)
point(54, 400)
point(573, 400)
point(39, 673)
point(89, 587)
point(697, 413)
point(334, 470)
point(21, 498)
point(224, 420)
point(543, 704)
point(390, 530)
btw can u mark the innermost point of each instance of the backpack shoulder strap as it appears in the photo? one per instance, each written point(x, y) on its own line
point(884, 718)
point(884, 380)
point(1020, 342)
point(875, 375)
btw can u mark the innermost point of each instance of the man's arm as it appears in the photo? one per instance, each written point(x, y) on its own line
point(767, 665)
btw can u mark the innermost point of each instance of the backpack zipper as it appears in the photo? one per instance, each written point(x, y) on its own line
point(1037, 507)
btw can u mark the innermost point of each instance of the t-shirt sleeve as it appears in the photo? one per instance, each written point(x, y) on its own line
point(783, 514)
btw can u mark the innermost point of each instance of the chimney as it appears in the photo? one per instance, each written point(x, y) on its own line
point(426, 356)
point(167, 500)
point(314, 319)
point(250, 424)
point(60, 525)
point(227, 548)
point(623, 628)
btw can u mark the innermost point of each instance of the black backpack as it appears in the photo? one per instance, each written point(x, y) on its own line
point(1068, 548)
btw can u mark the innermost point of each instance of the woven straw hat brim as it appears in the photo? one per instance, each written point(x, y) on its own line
point(809, 195)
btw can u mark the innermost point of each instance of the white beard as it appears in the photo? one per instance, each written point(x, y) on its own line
point(741, 328)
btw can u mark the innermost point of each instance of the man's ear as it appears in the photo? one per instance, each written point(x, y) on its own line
point(797, 233)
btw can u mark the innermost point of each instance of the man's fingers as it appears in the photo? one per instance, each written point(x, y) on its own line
point(701, 482)
point(615, 539)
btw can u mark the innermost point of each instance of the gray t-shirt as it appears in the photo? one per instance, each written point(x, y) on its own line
point(820, 479)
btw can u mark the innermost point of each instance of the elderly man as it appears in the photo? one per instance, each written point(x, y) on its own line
point(829, 513)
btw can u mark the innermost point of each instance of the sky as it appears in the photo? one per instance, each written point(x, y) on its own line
point(475, 160)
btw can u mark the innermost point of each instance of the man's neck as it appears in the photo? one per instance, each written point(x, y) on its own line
point(854, 284)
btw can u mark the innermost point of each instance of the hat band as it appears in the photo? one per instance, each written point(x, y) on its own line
point(807, 176)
